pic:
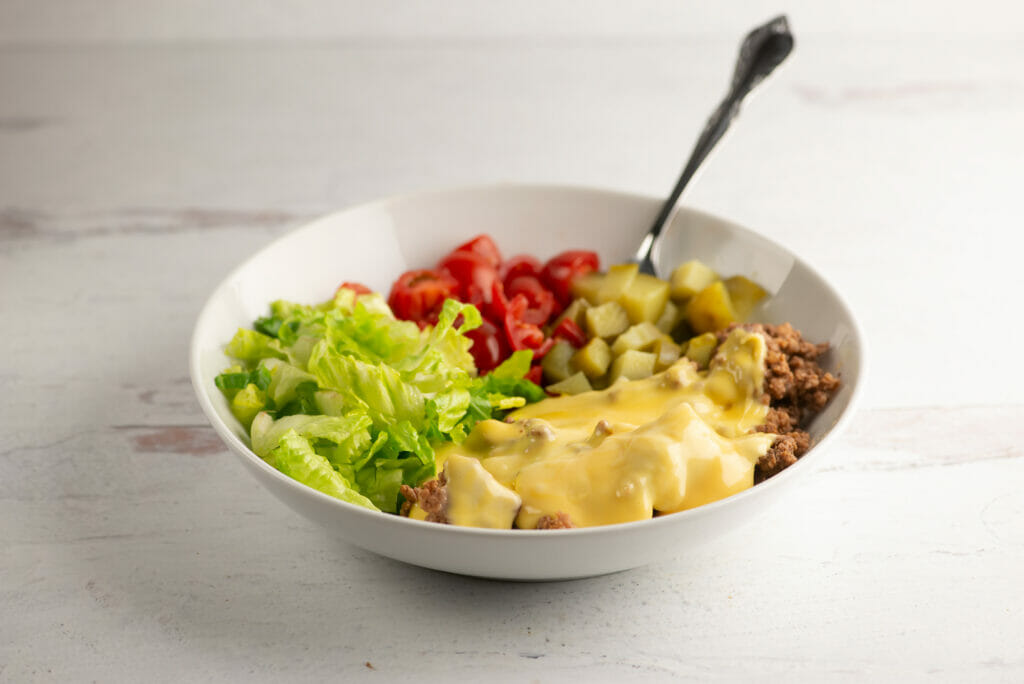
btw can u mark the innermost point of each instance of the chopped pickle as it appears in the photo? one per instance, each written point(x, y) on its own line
point(616, 282)
point(607, 320)
point(645, 298)
point(633, 365)
point(666, 352)
point(745, 295)
point(699, 349)
point(586, 286)
point(711, 309)
point(690, 278)
point(669, 317)
point(636, 337)
point(556, 362)
point(574, 384)
point(593, 358)
point(576, 312)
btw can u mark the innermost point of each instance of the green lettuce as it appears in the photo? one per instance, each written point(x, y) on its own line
point(352, 401)
point(250, 347)
point(295, 457)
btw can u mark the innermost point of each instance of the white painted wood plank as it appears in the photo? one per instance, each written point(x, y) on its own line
point(892, 171)
point(133, 178)
point(120, 21)
point(887, 562)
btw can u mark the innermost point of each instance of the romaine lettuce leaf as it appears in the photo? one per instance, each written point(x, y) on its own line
point(348, 436)
point(348, 399)
point(284, 378)
point(295, 457)
point(444, 358)
point(379, 389)
point(251, 346)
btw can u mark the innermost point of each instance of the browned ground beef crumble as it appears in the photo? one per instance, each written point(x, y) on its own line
point(559, 521)
point(796, 389)
point(431, 496)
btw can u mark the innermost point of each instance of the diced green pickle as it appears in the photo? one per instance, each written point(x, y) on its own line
point(645, 298)
point(586, 286)
point(669, 317)
point(711, 309)
point(633, 365)
point(636, 337)
point(593, 358)
point(616, 282)
point(690, 278)
point(556, 362)
point(576, 312)
point(607, 320)
point(574, 384)
point(700, 348)
point(666, 352)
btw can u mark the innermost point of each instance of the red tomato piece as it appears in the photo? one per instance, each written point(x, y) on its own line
point(534, 375)
point(521, 335)
point(570, 332)
point(418, 295)
point(541, 303)
point(541, 351)
point(484, 246)
point(475, 276)
point(358, 288)
point(489, 346)
point(521, 265)
point(562, 269)
point(498, 305)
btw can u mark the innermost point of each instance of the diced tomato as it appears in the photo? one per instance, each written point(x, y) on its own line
point(358, 288)
point(489, 347)
point(496, 308)
point(562, 269)
point(570, 332)
point(418, 295)
point(521, 265)
point(474, 274)
point(485, 247)
point(541, 303)
point(521, 335)
point(516, 298)
point(534, 375)
point(541, 351)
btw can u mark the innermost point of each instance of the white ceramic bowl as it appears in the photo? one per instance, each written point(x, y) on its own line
point(375, 242)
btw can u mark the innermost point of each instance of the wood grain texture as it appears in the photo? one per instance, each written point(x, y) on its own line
point(150, 540)
point(133, 177)
point(123, 21)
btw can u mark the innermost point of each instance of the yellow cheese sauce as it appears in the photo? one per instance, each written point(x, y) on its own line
point(670, 442)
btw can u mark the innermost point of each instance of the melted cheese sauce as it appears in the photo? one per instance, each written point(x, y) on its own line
point(671, 442)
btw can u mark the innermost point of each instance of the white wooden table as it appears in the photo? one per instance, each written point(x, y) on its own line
point(134, 174)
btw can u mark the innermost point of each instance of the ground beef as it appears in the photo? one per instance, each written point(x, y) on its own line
point(431, 496)
point(796, 388)
point(558, 521)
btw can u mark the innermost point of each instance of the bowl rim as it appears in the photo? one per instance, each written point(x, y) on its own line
point(242, 450)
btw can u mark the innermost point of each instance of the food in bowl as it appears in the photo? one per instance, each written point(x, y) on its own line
point(668, 402)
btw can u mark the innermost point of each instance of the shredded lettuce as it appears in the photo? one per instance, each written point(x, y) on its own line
point(351, 401)
point(295, 457)
point(250, 347)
